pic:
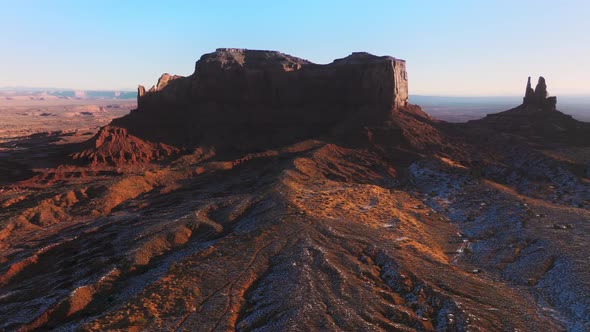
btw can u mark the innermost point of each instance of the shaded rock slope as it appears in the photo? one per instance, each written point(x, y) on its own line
point(268, 193)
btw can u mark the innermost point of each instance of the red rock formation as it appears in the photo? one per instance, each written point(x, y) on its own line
point(140, 93)
point(538, 118)
point(529, 94)
point(249, 100)
point(537, 98)
point(114, 146)
point(245, 98)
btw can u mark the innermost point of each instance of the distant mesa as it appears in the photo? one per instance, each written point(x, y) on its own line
point(537, 98)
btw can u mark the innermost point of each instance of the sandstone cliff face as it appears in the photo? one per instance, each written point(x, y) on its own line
point(268, 78)
point(168, 90)
point(247, 99)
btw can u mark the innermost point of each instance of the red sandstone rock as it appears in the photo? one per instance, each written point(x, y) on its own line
point(251, 100)
point(114, 146)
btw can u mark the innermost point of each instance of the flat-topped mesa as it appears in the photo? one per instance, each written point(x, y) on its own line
point(241, 78)
point(252, 99)
point(537, 98)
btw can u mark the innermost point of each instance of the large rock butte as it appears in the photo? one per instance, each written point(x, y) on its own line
point(249, 100)
point(242, 78)
point(247, 97)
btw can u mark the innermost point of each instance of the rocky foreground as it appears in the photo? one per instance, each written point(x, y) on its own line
point(268, 193)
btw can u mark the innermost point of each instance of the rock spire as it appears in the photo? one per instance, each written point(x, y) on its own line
point(537, 98)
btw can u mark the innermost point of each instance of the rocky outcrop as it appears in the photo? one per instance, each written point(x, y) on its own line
point(115, 146)
point(529, 94)
point(538, 119)
point(248, 99)
point(267, 78)
point(537, 99)
point(166, 92)
point(140, 94)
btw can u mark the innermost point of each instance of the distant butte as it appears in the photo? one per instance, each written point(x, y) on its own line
point(537, 98)
point(537, 118)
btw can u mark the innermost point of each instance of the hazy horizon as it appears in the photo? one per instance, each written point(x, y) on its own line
point(585, 96)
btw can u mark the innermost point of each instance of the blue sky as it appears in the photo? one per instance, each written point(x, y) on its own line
point(451, 47)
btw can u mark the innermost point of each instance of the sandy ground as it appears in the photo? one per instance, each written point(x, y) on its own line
point(25, 117)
